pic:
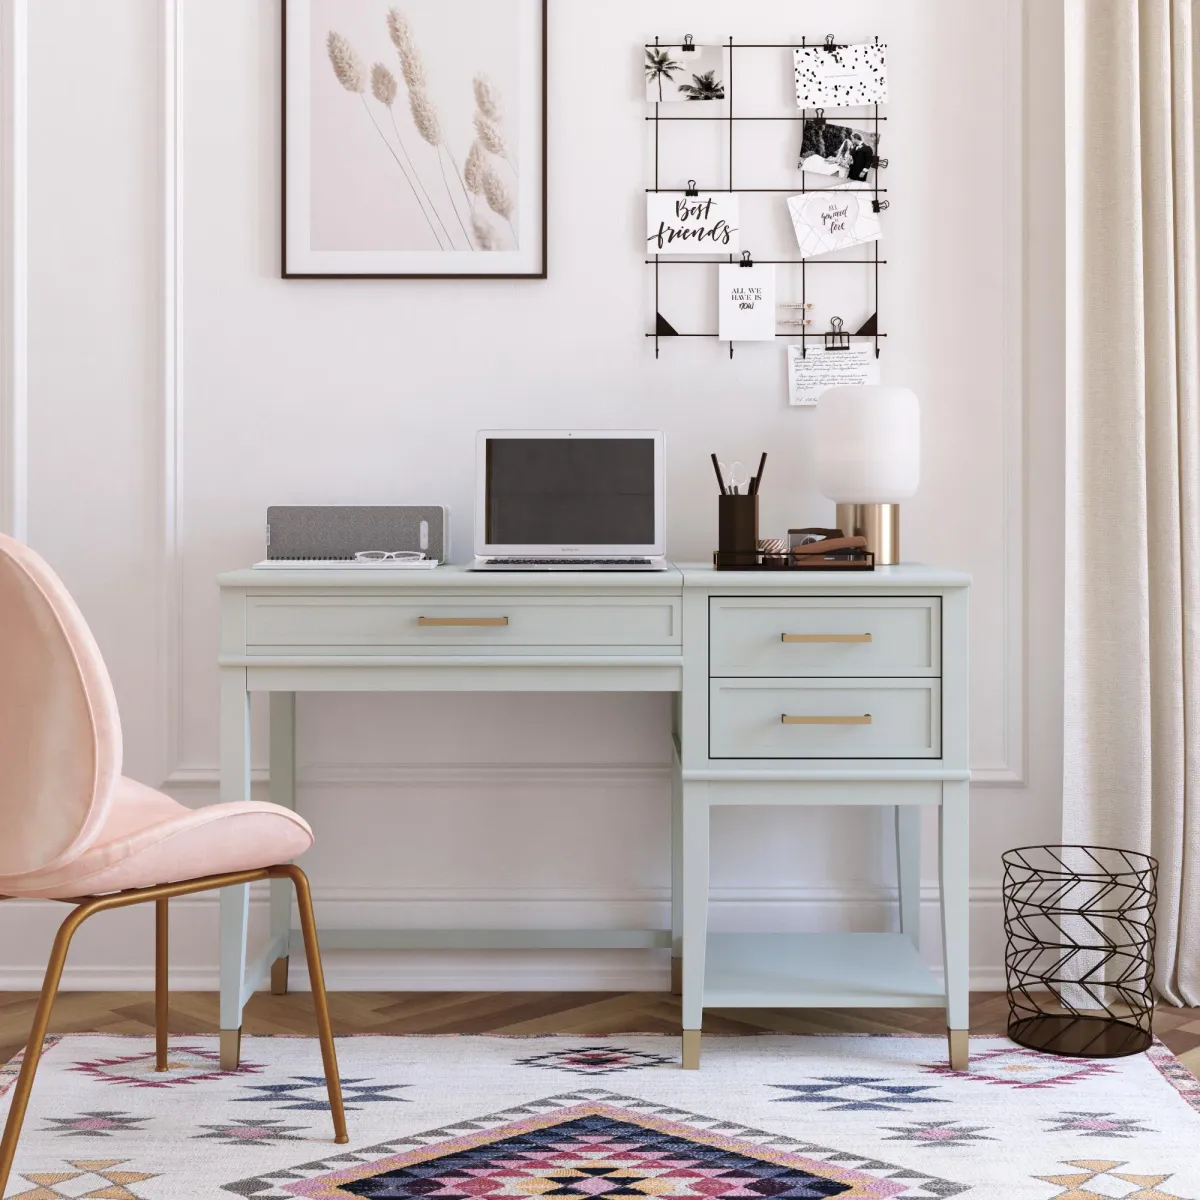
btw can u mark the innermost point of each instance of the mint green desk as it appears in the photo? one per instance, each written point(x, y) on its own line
point(823, 689)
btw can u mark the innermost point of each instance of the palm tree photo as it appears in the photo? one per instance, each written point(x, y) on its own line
point(659, 66)
point(704, 87)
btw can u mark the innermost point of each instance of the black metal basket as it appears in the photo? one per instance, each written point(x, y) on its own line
point(1079, 927)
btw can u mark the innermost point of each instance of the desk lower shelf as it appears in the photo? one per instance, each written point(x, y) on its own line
point(817, 970)
point(491, 939)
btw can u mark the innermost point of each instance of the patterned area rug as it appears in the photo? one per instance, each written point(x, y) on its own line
point(477, 1118)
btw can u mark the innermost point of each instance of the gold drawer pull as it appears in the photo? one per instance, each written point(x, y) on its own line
point(865, 719)
point(841, 638)
point(460, 622)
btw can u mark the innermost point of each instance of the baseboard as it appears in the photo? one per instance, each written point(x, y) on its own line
point(115, 952)
point(402, 971)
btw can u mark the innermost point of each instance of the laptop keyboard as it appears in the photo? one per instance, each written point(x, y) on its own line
point(573, 562)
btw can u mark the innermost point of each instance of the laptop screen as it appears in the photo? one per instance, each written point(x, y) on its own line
point(570, 491)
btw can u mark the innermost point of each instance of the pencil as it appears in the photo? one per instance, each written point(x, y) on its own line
point(762, 462)
point(720, 477)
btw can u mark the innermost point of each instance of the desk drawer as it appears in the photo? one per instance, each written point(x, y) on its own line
point(838, 636)
point(384, 622)
point(825, 718)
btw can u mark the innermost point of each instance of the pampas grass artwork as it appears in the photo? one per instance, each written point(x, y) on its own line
point(479, 174)
point(483, 184)
point(424, 111)
point(348, 68)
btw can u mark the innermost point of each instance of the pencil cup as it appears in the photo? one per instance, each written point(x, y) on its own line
point(737, 526)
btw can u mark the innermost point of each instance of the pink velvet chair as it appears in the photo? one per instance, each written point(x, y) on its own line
point(73, 828)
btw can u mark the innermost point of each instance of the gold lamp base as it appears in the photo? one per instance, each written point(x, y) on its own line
point(878, 523)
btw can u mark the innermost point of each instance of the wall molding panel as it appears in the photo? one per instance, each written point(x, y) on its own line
point(1014, 686)
point(211, 176)
point(14, 299)
point(171, 633)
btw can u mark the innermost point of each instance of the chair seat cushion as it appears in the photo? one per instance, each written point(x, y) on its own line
point(147, 838)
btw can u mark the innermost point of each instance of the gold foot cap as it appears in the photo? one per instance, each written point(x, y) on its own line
point(677, 976)
point(341, 1141)
point(231, 1049)
point(691, 1049)
point(279, 977)
point(960, 1054)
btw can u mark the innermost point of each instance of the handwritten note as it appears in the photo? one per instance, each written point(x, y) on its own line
point(746, 309)
point(704, 224)
point(810, 375)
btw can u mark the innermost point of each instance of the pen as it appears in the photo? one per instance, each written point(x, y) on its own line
point(720, 477)
point(754, 486)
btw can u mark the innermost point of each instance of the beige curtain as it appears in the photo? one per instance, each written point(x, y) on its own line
point(1132, 650)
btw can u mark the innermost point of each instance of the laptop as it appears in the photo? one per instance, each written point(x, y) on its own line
point(570, 500)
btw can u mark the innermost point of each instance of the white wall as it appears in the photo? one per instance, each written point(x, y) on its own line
point(177, 386)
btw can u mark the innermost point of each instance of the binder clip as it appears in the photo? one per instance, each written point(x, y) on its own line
point(689, 44)
point(836, 338)
point(879, 205)
point(747, 261)
point(817, 122)
point(830, 44)
point(691, 189)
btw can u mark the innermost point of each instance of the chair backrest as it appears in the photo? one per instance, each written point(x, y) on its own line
point(60, 734)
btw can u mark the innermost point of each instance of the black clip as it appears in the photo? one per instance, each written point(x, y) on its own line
point(830, 45)
point(691, 189)
point(880, 164)
point(836, 339)
point(817, 122)
point(879, 205)
point(747, 261)
point(689, 44)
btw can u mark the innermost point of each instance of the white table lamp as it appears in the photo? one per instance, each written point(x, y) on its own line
point(868, 458)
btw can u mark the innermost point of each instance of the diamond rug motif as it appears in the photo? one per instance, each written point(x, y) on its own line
point(600, 1150)
point(507, 1118)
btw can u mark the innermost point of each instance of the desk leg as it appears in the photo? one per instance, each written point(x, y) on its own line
point(283, 792)
point(908, 869)
point(235, 901)
point(955, 851)
point(696, 816)
point(676, 876)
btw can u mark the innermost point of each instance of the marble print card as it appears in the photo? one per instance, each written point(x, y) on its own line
point(746, 304)
point(842, 76)
point(826, 222)
point(702, 224)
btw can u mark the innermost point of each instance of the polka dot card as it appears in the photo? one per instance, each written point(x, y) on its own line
point(841, 77)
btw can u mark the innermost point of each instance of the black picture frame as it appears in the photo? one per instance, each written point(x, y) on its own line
point(541, 273)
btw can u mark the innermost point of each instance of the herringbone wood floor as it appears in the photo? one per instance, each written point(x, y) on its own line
point(508, 1012)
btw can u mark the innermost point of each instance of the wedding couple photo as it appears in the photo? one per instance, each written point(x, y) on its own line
point(839, 151)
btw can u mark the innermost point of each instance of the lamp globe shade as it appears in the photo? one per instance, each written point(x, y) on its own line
point(868, 444)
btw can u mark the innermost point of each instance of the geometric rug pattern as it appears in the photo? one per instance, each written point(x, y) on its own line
point(773, 1117)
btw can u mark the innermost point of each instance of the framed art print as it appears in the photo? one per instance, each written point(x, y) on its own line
point(414, 139)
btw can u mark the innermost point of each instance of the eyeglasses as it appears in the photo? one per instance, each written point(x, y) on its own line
point(388, 556)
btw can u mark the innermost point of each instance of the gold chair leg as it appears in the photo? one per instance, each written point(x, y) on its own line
point(37, 1035)
point(161, 992)
point(279, 976)
point(312, 954)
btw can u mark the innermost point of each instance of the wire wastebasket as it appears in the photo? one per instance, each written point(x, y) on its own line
point(1079, 955)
